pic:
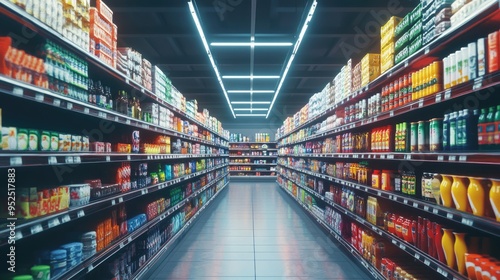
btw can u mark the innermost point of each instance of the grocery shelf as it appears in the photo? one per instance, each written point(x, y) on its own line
point(251, 176)
point(259, 149)
point(466, 88)
point(20, 158)
point(486, 225)
point(489, 11)
point(237, 143)
point(90, 264)
point(466, 157)
point(149, 263)
point(29, 92)
point(240, 156)
point(408, 248)
point(369, 267)
point(238, 164)
point(252, 170)
point(11, 10)
point(27, 228)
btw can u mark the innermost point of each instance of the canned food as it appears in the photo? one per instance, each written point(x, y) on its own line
point(435, 137)
point(423, 136)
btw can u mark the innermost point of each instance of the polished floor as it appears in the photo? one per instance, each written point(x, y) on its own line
point(256, 231)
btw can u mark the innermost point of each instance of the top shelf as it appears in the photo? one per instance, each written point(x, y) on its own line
point(11, 10)
point(488, 12)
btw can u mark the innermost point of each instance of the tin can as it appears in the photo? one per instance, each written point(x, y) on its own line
point(414, 137)
point(423, 136)
point(435, 137)
point(135, 141)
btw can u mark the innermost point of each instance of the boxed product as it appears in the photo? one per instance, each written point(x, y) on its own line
point(374, 213)
point(27, 203)
point(401, 42)
point(415, 45)
point(404, 53)
point(416, 14)
point(9, 138)
point(104, 10)
point(402, 26)
point(370, 68)
point(387, 30)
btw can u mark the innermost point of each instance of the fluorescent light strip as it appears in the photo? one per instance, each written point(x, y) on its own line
point(209, 53)
point(250, 44)
point(292, 56)
point(250, 115)
point(250, 102)
point(250, 91)
point(250, 77)
point(251, 109)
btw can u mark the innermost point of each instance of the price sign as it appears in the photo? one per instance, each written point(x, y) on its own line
point(420, 103)
point(440, 158)
point(127, 121)
point(452, 158)
point(116, 119)
point(402, 246)
point(128, 157)
point(447, 94)
point(52, 160)
point(16, 161)
point(391, 114)
point(442, 272)
point(405, 201)
point(77, 159)
point(86, 110)
point(438, 97)
point(406, 63)
point(462, 158)
point(417, 256)
point(426, 51)
point(467, 222)
point(435, 211)
point(53, 222)
point(144, 191)
point(108, 158)
point(36, 229)
point(478, 83)
point(426, 208)
point(69, 106)
point(56, 102)
point(427, 262)
point(18, 91)
point(39, 97)
point(65, 218)
point(127, 81)
point(80, 213)
point(415, 204)
point(113, 202)
point(449, 216)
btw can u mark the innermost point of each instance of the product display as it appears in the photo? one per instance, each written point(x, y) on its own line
point(387, 136)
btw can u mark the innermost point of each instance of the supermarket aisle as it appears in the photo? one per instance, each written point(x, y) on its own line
point(256, 231)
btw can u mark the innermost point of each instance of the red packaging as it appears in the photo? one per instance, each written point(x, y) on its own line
point(98, 147)
point(493, 52)
point(104, 11)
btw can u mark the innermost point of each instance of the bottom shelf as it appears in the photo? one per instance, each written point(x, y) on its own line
point(347, 246)
point(151, 262)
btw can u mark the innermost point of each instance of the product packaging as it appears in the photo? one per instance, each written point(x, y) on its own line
point(9, 138)
point(471, 48)
point(493, 52)
point(481, 57)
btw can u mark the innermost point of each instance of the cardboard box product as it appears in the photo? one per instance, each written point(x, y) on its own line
point(104, 11)
point(387, 30)
point(493, 52)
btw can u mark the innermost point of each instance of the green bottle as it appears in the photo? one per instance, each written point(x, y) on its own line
point(490, 129)
point(497, 129)
point(481, 130)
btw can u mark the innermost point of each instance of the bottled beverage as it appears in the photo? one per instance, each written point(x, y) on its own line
point(497, 129)
point(131, 108)
point(459, 131)
point(481, 130)
point(138, 110)
point(472, 130)
point(109, 98)
point(453, 131)
point(446, 132)
point(490, 128)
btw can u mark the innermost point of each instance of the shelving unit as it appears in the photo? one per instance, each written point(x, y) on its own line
point(308, 164)
point(252, 160)
point(196, 176)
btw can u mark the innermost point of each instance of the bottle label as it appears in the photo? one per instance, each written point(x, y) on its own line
point(497, 133)
point(453, 135)
point(490, 133)
point(481, 131)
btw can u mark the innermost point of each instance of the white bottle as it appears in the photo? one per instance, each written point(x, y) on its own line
point(471, 48)
point(465, 64)
point(481, 57)
point(447, 70)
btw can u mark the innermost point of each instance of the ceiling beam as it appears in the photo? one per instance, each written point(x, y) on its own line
point(161, 32)
point(203, 61)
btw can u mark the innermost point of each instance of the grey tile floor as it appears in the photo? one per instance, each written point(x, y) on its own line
point(256, 231)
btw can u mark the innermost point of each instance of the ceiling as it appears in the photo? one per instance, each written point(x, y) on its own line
point(165, 33)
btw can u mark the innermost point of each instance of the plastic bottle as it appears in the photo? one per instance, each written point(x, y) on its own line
point(496, 135)
point(481, 130)
point(453, 131)
point(460, 131)
point(490, 129)
point(446, 132)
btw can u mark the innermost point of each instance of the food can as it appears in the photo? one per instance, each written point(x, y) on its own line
point(423, 136)
point(414, 137)
point(435, 135)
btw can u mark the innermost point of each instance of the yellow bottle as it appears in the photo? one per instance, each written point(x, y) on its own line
point(414, 78)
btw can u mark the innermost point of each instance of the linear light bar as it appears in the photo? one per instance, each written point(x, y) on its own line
point(250, 109)
point(250, 44)
point(250, 102)
point(250, 77)
point(250, 91)
point(209, 53)
point(250, 115)
point(292, 56)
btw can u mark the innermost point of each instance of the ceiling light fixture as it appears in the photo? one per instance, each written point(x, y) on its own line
point(250, 115)
point(197, 22)
point(292, 56)
point(250, 91)
point(250, 109)
point(250, 102)
point(250, 77)
point(251, 44)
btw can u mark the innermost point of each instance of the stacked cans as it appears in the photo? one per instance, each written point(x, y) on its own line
point(89, 244)
point(57, 260)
